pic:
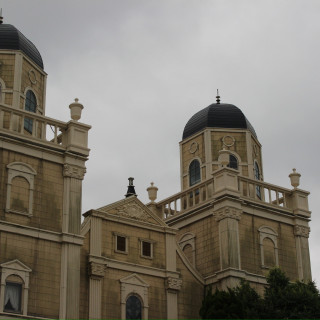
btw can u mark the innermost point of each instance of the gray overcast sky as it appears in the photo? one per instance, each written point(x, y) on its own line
point(143, 68)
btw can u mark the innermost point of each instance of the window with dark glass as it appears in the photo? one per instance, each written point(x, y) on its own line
point(12, 297)
point(257, 177)
point(194, 172)
point(31, 106)
point(233, 162)
point(133, 308)
point(121, 243)
point(146, 249)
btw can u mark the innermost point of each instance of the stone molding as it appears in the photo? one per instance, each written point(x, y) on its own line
point(173, 283)
point(227, 212)
point(73, 171)
point(96, 269)
point(301, 231)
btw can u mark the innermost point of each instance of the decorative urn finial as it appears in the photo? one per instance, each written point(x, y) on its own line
point(152, 192)
point(295, 178)
point(76, 109)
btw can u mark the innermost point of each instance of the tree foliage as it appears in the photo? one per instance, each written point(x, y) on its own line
point(282, 300)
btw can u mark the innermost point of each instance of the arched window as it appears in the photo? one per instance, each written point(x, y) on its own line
point(233, 162)
point(268, 246)
point(257, 177)
point(31, 106)
point(194, 172)
point(133, 308)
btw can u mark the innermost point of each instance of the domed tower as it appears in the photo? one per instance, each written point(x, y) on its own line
point(42, 167)
point(219, 126)
point(22, 78)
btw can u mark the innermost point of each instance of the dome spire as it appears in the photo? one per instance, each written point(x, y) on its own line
point(1, 17)
point(218, 97)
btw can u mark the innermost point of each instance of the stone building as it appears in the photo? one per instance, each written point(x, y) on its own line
point(129, 259)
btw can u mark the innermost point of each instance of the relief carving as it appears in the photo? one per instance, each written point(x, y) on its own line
point(228, 213)
point(133, 212)
point(74, 171)
point(97, 269)
point(173, 283)
point(301, 231)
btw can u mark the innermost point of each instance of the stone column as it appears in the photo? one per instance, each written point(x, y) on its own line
point(70, 252)
point(303, 257)
point(228, 217)
point(173, 286)
point(96, 274)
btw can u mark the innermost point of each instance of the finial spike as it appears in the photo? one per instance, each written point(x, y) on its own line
point(218, 97)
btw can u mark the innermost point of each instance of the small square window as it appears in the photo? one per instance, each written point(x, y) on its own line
point(121, 244)
point(146, 249)
point(12, 297)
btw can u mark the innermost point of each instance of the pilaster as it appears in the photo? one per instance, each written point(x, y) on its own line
point(73, 173)
point(301, 234)
point(208, 153)
point(17, 81)
point(228, 214)
point(173, 286)
point(96, 274)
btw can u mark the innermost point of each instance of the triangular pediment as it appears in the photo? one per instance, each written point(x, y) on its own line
point(134, 279)
point(15, 265)
point(132, 208)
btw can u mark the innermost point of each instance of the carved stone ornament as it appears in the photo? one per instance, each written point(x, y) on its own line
point(32, 76)
point(173, 283)
point(301, 231)
point(97, 269)
point(228, 212)
point(133, 211)
point(193, 147)
point(228, 141)
point(74, 171)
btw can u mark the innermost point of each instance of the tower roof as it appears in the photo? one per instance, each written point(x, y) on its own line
point(12, 39)
point(217, 115)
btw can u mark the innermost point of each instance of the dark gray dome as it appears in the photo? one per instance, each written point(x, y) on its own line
point(220, 115)
point(12, 39)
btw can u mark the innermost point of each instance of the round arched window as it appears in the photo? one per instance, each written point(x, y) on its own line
point(31, 106)
point(133, 308)
point(194, 172)
point(233, 162)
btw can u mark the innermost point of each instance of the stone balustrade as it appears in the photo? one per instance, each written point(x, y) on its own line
point(227, 181)
point(70, 135)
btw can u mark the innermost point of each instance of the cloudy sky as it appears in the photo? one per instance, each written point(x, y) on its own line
point(142, 68)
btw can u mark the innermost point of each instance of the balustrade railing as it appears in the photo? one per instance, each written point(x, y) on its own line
point(265, 192)
point(31, 124)
point(204, 192)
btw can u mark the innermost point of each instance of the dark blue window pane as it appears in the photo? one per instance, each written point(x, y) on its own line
point(233, 162)
point(194, 172)
point(257, 177)
point(133, 308)
point(31, 106)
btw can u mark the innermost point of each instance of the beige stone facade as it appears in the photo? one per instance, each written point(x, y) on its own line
point(129, 259)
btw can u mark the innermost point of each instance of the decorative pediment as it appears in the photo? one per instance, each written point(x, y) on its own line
point(15, 265)
point(132, 208)
point(134, 280)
